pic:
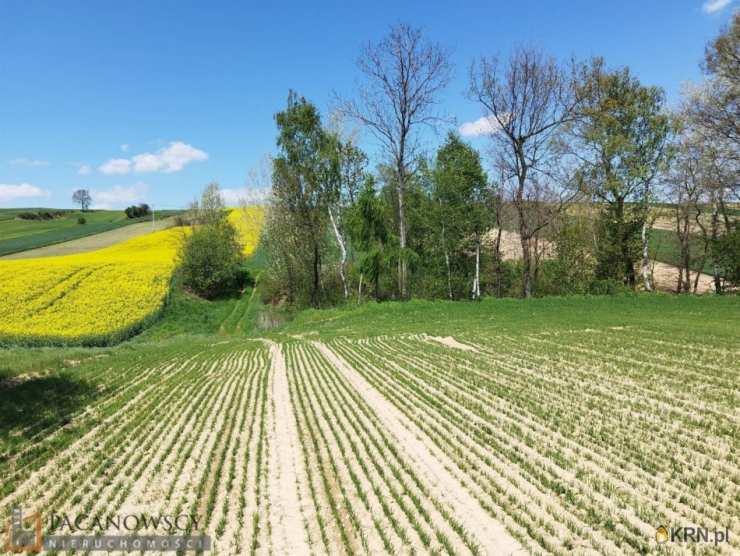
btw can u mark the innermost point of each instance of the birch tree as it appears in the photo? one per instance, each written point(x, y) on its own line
point(346, 179)
point(464, 203)
point(404, 75)
point(305, 179)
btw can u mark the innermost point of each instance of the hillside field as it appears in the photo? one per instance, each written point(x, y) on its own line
point(98, 296)
point(18, 235)
point(559, 425)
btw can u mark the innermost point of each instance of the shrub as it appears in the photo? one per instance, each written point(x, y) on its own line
point(211, 261)
point(41, 215)
point(138, 211)
point(726, 252)
point(81, 220)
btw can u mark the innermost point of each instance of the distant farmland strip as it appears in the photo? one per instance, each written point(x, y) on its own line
point(19, 235)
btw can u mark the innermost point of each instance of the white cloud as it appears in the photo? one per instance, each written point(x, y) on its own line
point(28, 162)
point(84, 170)
point(168, 160)
point(714, 6)
point(11, 192)
point(251, 195)
point(124, 147)
point(487, 125)
point(119, 196)
point(116, 166)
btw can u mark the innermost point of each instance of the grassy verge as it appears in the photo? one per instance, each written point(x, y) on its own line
point(719, 315)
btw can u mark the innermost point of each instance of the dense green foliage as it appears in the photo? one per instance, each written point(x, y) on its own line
point(306, 178)
point(211, 263)
point(624, 140)
point(137, 211)
point(726, 253)
point(581, 155)
point(369, 235)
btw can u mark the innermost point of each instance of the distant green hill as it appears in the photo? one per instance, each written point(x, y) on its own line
point(18, 234)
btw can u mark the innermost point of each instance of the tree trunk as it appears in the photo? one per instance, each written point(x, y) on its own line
point(705, 240)
point(402, 266)
point(359, 291)
point(627, 265)
point(686, 252)
point(497, 258)
point(715, 233)
point(316, 276)
point(646, 258)
point(447, 263)
point(476, 280)
point(343, 250)
point(523, 228)
point(526, 269)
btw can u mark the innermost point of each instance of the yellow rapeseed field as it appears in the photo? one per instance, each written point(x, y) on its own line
point(91, 298)
point(249, 222)
point(102, 296)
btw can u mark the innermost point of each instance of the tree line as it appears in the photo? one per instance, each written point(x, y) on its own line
point(581, 157)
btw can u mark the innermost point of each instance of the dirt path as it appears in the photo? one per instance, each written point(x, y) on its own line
point(289, 535)
point(432, 464)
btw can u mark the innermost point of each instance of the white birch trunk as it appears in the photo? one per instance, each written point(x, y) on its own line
point(476, 280)
point(343, 249)
point(447, 263)
point(359, 291)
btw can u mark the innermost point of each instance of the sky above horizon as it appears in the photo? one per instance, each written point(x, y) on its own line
point(149, 101)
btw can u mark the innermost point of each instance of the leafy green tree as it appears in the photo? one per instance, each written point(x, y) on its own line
point(211, 262)
point(716, 106)
point(726, 254)
point(306, 176)
point(210, 208)
point(342, 193)
point(369, 234)
point(463, 201)
point(622, 141)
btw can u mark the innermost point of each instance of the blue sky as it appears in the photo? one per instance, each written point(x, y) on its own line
point(149, 101)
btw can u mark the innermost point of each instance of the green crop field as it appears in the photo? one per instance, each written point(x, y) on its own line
point(558, 425)
point(18, 235)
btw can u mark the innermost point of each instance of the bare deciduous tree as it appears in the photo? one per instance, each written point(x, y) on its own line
point(528, 99)
point(82, 197)
point(404, 75)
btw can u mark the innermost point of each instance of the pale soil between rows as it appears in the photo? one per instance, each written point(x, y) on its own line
point(289, 535)
point(432, 463)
